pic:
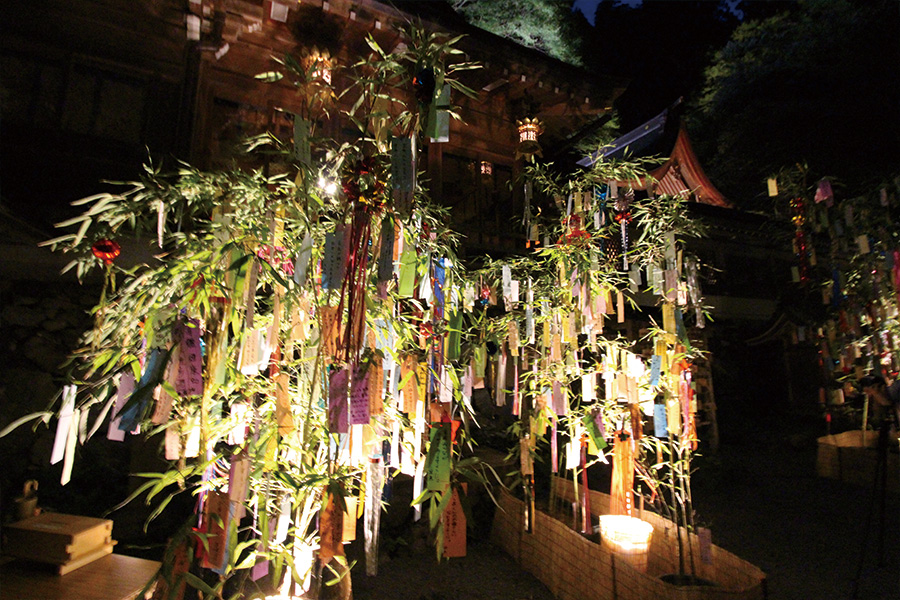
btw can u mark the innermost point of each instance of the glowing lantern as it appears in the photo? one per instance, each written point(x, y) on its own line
point(529, 130)
point(318, 65)
point(628, 538)
point(487, 168)
point(106, 250)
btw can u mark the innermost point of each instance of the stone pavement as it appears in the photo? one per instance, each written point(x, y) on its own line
point(763, 501)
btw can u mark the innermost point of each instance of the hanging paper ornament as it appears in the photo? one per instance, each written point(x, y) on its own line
point(824, 192)
point(106, 250)
point(484, 298)
point(622, 485)
point(801, 246)
point(363, 185)
point(623, 218)
point(574, 232)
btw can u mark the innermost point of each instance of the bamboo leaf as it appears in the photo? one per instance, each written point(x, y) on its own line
point(43, 416)
point(270, 76)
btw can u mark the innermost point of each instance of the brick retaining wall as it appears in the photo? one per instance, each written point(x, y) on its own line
point(575, 568)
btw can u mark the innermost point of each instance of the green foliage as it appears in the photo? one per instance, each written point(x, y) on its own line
point(806, 86)
point(544, 25)
point(849, 303)
point(221, 259)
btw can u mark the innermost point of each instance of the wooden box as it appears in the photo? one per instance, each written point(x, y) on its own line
point(67, 541)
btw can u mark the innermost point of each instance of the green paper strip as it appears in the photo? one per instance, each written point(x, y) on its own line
point(480, 360)
point(407, 272)
point(592, 430)
point(454, 338)
point(437, 465)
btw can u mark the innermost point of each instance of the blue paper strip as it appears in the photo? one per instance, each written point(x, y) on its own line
point(143, 393)
point(660, 422)
point(655, 366)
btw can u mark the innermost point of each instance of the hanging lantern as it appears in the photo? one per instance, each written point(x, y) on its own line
point(106, 250)
point(318, 65)
point(487, 168)
point(529, 131)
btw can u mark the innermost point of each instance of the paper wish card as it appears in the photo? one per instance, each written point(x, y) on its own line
point(359, 396)
point(189, 381)
point(454, 521)
point(338, 419)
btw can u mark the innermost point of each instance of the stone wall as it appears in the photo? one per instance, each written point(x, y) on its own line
point(41, 323)
point(574, 567)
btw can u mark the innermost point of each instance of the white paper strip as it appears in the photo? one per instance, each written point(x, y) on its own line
point(70, 447)
point(446, 392)
point(284, 520)
point(64, 425)
point(417, 489)
point(126, 386)
point(173, 440)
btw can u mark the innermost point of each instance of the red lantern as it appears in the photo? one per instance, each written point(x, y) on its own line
point(106, 250)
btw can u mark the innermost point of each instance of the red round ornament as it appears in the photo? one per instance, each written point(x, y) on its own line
point(106, 250)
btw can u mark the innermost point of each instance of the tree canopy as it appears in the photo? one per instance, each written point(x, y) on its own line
point(545, 25)
point(805, 86)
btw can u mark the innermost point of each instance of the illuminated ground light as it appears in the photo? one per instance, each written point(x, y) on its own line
point(627, 537)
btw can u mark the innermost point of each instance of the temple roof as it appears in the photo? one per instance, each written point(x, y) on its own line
point(680, 175)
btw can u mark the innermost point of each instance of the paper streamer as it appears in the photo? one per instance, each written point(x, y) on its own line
point(500, 383)
point(386, 251)
point(334, 264)
point(655, 366)
point(301, 140)
point(402, 165)
point(62, 427)
point(301, 262)
point(238, 483)
point(407, 279)
point(372, 512)
point(189, 381)
point(660, 423)
point(438, 125)
point(454, 522)
point(72, 438)
point(437, 463)
point(126, 386)
point(283, 414)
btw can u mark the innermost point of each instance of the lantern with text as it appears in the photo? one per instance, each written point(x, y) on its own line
point(529, 130)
